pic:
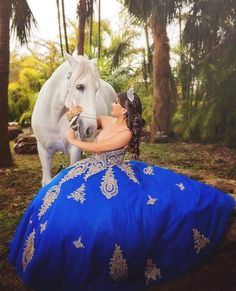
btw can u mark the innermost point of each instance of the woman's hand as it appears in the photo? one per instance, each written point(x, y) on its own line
point(74, 111)
point(71, 136)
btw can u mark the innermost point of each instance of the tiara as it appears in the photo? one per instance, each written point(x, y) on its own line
point(130, 94)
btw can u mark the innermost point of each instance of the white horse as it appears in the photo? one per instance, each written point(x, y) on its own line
point(76, 82)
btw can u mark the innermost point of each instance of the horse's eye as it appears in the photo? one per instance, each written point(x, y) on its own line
point(80, 87)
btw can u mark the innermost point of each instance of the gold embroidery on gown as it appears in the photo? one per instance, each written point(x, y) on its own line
point(181, 186)
point(95, 168)
point(80, 169)
point(148, 170)
point(152, 273)
point(48, 200)
point(93, 164)
point(78, 194)
point(151, 200)
point(28, 252)
point(109, 185)
point(200, 241)
point(78, 244)
point(43, 226)
point(118, 266)
point(126, 167)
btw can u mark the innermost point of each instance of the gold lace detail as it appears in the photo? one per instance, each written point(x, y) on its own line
point(94, 168)
point(109, 185)
point(148, 170)
point(152, 273)
point(181, 186)
point(43, 226)
point(151, 200)
point(78, 244)
point(126, 167)
point(78, 170)
point(118, 265)
point(28, 252)
point(48, 199)
point(92, 165)
point(78, 194)
point(200, 241)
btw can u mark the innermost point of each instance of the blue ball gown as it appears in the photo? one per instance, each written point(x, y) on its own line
point(108, 224)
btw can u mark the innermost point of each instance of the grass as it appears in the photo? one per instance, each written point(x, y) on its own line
point(208, 163)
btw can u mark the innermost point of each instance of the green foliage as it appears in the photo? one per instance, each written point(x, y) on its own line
point(27, 75)
point(205, 74)
point(22, 19)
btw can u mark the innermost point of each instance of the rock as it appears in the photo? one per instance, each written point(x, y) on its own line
point(25, 144)
point(13, 123)
point(14, 131)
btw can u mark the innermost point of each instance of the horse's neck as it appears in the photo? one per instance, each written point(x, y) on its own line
point(60, 83)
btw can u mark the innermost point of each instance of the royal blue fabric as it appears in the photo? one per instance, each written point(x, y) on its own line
point(108, 224)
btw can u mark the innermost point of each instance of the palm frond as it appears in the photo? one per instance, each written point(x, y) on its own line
point(22, 20)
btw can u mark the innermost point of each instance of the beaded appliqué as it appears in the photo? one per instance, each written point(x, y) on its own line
point(43, 226)
point(181, 186)
point(148, 170)
point(93, 164)
point(95, 168)
point(28, 252)
point(152, 273)
point(109, 185)
point(31, 221)
point(118, 266)
point(126, 167)
point(78, 244)
point(200, 241)
point(151, 200)
point(80, 169)
point(48, 200)
point(78, 194)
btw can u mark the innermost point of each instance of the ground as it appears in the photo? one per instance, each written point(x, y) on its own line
point(215, 165)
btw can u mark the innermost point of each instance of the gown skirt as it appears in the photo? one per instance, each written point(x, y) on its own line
point(106, 223)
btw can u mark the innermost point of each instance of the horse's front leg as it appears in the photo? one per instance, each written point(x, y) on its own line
point(46, 162)
point(75, 154)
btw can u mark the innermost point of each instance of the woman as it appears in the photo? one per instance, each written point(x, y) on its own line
point(104, 223)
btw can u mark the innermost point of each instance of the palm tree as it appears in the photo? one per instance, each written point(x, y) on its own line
point(211, 106)
point(90, 27)
point(158, 13)
point(99, 29)
point(22, 19)
point(59, 26)
point(64, 25)
point(82, 13)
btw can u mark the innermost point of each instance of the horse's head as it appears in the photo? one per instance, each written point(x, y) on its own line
point(84, 83)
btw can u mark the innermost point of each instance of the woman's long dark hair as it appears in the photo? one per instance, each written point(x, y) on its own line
point(134, 120)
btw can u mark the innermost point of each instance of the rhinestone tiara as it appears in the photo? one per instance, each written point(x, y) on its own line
point(130, 94)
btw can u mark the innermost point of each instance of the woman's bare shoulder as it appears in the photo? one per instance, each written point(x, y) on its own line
point(104, 120)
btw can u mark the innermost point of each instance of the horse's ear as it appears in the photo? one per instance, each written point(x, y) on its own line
point(73, 62)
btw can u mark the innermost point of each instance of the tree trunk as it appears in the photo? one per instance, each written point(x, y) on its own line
point(149, 55)
point(59, 26)
point(91, 30)
point(64, 25)
point(161, 114)
point(5, 153)
point(82, 11)
point(99, 29)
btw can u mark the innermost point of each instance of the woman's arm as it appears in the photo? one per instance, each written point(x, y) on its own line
point(117, 141)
